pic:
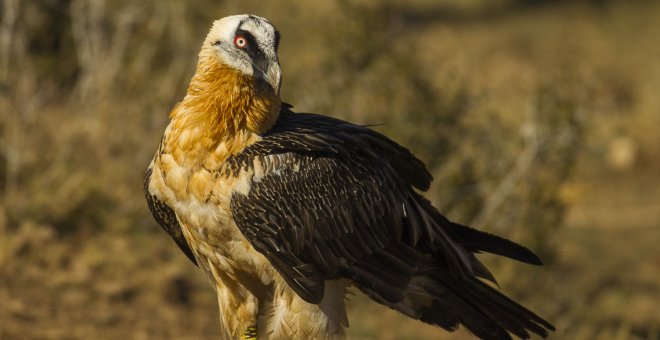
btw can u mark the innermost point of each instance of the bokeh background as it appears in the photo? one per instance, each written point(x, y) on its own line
point(540, 120)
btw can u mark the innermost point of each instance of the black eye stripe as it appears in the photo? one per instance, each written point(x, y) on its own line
point(277, 40)
point(251, 41)
point(256, 55)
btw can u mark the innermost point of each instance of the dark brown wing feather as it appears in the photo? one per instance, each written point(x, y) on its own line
point(320, 220)
point(337, 201)
point(311, 133)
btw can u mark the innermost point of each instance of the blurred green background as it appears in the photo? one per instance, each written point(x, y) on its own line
point(540, 120)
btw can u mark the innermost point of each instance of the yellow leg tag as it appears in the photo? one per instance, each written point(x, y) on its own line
point(250, 333)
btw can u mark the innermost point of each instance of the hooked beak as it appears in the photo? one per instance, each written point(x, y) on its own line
point(274, 76)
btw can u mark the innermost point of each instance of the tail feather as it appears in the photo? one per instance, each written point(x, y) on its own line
point(476, 241)
point(504, 307)
point(439, 279)
point(483, 310)
point(425, 219)
point(454, 303)
point(448, 302)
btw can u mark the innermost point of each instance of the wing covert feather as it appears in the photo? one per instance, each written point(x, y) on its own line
point(336, 199)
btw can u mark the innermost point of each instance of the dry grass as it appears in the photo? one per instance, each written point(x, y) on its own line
point(539, 122)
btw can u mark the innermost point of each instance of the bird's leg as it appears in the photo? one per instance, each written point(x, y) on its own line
point(238, 310)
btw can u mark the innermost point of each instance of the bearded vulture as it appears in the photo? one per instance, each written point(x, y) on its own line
point(285, 211)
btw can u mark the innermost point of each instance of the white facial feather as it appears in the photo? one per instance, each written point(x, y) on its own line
point(221, 39)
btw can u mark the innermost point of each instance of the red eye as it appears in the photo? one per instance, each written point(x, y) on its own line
point(240, 41)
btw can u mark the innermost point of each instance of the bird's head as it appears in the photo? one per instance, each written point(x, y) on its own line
point(236, 86)
point(247, 44)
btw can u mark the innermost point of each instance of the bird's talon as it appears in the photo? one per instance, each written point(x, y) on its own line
point(250, 333)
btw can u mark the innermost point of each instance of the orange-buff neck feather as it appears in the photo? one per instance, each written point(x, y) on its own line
point(222, 105)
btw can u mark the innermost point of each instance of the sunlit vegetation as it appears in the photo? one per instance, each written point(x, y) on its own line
point(538, 119)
